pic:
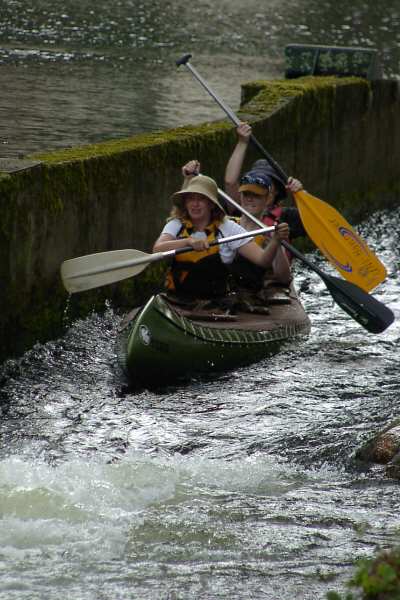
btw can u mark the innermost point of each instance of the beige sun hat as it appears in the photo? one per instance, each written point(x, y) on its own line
point(201, 184)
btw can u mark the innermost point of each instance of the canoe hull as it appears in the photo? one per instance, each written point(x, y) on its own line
point(163, 343)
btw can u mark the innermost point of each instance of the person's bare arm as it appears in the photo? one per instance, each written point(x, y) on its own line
point(265, 257)
point(235, 163)
point(166, 242)
point(281, 267)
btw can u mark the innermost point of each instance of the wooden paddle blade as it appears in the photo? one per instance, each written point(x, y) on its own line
point(339, 243)
point(95, 270)
point(373, 315)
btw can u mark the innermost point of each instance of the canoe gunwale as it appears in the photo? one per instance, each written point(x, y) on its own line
point(234, 336)
point(230, 335)
point(159, 343)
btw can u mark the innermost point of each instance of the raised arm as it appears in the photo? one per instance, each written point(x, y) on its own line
point(189, 170)
point(235, 163)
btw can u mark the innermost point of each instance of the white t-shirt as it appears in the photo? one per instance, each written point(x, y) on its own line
point(226, 228)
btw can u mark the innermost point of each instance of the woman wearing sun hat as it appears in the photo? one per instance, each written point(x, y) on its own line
point(196, 220)
point(255, 191)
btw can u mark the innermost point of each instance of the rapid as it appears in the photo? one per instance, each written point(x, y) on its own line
point(243, 485)
point(239, 486)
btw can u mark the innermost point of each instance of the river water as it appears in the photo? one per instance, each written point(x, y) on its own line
point(74, 72)
point(238, 486)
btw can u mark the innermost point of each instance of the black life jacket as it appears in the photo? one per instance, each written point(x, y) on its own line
point(198, 274)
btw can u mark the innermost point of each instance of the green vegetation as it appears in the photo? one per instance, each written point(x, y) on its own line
point(375, 579)
point(265, 97)
point(145, 143)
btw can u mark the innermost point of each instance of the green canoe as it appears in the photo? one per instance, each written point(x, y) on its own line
point(162, 341)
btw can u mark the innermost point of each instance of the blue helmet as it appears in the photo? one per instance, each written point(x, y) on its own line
point(262, 168)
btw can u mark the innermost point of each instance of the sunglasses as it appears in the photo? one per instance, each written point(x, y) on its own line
point(251, 179)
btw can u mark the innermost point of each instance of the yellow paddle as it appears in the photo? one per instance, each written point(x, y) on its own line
point(339, 243)
point(329, 231)
point(373, 315)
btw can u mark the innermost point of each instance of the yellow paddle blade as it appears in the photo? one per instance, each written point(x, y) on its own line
point(339, 243)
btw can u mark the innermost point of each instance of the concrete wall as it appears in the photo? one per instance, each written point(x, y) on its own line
point(341, 137)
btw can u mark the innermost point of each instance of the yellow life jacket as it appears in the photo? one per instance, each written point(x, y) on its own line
point(258, 239)
point(200, 274)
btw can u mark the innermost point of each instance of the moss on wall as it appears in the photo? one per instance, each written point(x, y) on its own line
point(264, 97)
point(182, 137)
point(327, 131)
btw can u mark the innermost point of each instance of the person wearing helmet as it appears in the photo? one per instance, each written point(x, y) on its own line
point(197, 219)
point(274, 192)
point(260, 191)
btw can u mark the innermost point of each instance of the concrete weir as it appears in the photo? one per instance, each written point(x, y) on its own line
point(340, 136)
